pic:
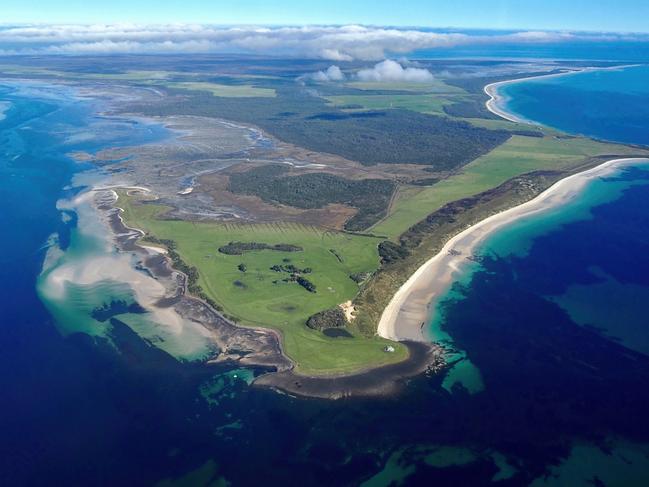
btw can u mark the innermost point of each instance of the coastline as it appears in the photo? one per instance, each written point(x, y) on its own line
point(496, 103)
point(263, 346)
point(411, 308)
point(254, 347)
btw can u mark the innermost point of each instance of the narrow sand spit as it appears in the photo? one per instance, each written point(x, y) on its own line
point(496, 101)
point(410, 309)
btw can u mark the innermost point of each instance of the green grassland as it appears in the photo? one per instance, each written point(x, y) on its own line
point(257, 301)
point(424, 102)
point(428, 98)
point(434, 86)
point(517, 156)
point(222, 90)
point(501, 124)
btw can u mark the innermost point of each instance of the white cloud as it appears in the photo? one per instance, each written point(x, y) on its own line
point(335, 43)
point(391, 71)
point(332, 73)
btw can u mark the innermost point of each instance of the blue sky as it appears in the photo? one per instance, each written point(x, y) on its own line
point(596, 15)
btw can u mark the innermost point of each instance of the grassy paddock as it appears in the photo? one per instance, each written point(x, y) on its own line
point(252, 297)
point(424, 103)
point(517, 156)
point(434, 86)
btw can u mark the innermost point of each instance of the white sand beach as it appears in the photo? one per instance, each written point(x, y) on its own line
point(496, 103)
point(410, 309)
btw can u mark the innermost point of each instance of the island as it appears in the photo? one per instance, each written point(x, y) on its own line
point(308, 223)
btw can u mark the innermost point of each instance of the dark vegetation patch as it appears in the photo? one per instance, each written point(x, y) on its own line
point(473, 108)
point(295, 275)
point(336, 255)
point(392, 136)
point(345, 115)
point(315, 190)
point(395, 137)
point(425, 182)
point(329, 318)
point(242, 267)
point(239, 248)
point(476, 108)
point(359, 277)
point(392, 252)
point(336, 333)
point(116, 307)
point(291, 269)
point(450, 213)
point(528, 133)
point(306, 284)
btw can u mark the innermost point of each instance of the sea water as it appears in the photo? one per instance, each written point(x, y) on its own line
point(584, 264)
point(555, 395)
point(607, 104)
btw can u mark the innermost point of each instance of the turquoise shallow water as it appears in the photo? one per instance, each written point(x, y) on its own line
point(582, 265)
point(88, 275)
point(606, 104)
point(617, 308)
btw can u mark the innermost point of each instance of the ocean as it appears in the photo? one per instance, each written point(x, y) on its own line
point(589, 51)
point(550, 331)
point(603, 104)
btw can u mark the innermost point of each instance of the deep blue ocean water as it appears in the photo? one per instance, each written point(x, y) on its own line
point(606, 104)
point(626, 51)
point(553, 320)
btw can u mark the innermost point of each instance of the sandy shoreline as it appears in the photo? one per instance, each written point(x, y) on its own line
point(495, 104)
point(410, 309)
point(496, 100)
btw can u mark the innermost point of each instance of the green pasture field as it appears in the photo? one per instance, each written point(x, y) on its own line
point(252, 297)
point(434, 86)
point(420, 102)
point(517, 156)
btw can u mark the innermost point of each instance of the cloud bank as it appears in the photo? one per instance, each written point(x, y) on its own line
point(335, 43)
point(332, 73)
point(390, 71)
